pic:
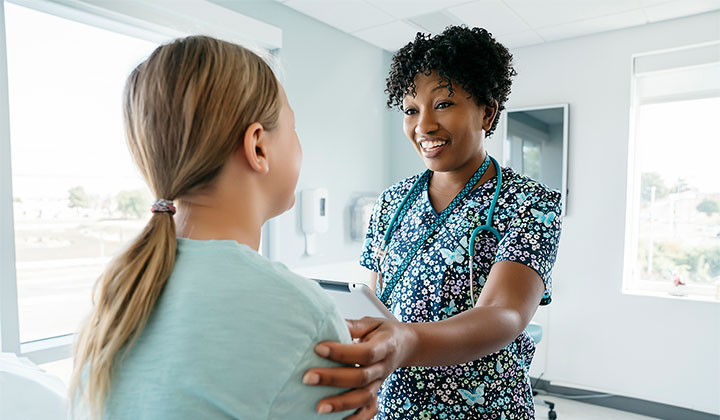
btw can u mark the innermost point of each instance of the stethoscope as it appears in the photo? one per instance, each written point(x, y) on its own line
point(409, 199)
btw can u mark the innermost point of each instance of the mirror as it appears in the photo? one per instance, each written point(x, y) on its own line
point(536, 145)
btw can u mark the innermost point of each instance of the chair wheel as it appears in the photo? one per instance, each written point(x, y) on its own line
point(552, 415)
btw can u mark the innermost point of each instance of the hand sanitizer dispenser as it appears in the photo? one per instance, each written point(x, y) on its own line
point(314, 216)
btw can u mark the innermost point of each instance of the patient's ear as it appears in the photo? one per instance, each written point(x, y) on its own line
point(254, 148)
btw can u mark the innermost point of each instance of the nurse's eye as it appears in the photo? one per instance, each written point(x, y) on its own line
point(443, 104)
point(410, 111)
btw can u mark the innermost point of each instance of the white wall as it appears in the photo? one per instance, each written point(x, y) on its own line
point(664, 350)
point(334, 83)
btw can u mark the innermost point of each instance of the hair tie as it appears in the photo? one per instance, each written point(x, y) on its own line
point(163, 206)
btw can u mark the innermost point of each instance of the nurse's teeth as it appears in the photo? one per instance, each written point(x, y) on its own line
point(431, 144)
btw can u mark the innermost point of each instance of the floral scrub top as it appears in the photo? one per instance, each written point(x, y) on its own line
point(435, 286)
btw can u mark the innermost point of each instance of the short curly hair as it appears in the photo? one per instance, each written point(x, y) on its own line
point(470, 57)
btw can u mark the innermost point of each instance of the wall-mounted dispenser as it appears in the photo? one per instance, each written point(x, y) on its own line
point(360, 212)
point(314, 216)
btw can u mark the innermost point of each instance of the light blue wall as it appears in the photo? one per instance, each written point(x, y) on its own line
point(335, 84)
point(403, 159)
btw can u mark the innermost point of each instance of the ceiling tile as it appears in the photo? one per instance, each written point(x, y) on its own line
point(539, 14)
point(435, 22)
point(492, 15)
point(520, 39)
point(680, 8)
point(403, 9)
point(346, 15)
point(591, 26)
point(390, 36)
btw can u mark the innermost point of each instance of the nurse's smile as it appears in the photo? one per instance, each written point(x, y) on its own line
point(431, 146)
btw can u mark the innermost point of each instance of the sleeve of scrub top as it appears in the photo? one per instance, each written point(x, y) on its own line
point(297, 400)
point(533, 235)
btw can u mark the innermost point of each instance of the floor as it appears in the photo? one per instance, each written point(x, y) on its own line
point(576, 410)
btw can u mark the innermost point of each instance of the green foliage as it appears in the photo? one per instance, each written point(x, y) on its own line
point(695, 264)
point(78, 198)
point(133, 203)
point(649, 180)
point(708, 207)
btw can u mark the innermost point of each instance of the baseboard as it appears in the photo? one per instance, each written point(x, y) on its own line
point(618, 402)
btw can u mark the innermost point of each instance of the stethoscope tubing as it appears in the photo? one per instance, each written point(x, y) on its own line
point(487, 226)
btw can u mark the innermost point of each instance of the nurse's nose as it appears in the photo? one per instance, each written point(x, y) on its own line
point(426, 123)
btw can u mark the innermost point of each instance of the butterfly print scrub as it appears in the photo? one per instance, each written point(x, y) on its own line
point(435, 286)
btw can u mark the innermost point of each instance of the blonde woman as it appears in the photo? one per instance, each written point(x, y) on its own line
point(189, 321)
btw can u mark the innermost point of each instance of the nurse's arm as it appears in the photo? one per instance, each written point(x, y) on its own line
point(508, 301)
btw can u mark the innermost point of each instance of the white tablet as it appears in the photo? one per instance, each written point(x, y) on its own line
point(355, 300)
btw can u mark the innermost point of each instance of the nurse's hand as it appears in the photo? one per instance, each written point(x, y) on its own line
point(381, 346)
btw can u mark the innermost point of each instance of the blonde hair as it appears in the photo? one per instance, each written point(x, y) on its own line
point(186, 109)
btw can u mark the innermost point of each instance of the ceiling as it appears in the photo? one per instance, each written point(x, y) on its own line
point(390, 24)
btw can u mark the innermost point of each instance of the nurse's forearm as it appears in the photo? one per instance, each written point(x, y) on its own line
point(467, 336)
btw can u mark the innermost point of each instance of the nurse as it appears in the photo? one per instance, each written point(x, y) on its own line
point(463, 295)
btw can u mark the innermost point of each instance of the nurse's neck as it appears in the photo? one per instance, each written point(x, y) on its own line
point(452, 182)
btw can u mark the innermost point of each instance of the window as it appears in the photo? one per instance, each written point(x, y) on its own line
point(673, 245)
point(77, 197)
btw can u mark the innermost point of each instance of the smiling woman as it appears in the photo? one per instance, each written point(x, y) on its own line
point(460, 350)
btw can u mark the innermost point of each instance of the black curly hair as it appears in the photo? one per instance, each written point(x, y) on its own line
point(470, 57)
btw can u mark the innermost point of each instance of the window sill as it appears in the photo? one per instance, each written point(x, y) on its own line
point(48, 349)
point(686, 296)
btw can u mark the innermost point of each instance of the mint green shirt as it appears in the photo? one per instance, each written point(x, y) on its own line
point(230, 337)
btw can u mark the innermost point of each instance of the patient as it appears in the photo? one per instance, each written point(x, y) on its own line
point(189, 321)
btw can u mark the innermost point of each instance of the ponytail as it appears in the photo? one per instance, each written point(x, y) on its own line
point(186, 109)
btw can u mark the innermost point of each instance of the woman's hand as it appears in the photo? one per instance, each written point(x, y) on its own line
point(380, 347)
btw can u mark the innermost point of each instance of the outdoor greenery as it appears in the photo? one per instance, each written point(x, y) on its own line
point(133, 203)
point(694, 261)
point(78, 198)
point(709, 207)
point(649, 180)
point(696, 264)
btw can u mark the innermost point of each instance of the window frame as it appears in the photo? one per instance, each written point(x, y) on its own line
point(156, 21)
point(631, 284)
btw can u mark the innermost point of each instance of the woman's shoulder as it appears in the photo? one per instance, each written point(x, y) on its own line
point(519, 184)
point(233, 276)
point(398, 190)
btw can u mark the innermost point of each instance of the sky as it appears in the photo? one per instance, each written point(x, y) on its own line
point(65, 87)
point(681, 140)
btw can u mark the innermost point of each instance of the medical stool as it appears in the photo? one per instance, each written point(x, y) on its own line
point(535, 332)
